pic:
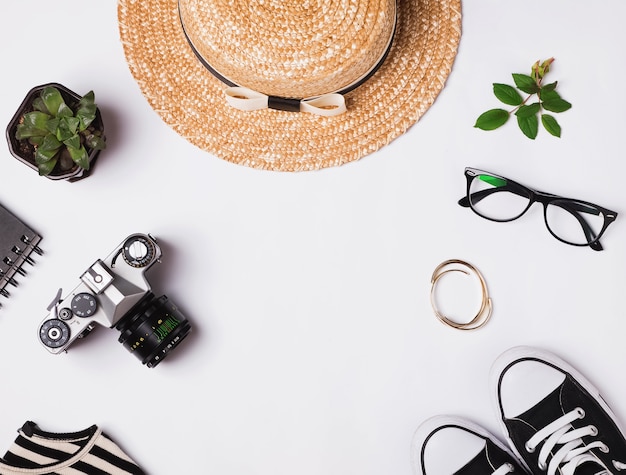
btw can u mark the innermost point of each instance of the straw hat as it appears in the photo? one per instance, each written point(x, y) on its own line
point(229, 75)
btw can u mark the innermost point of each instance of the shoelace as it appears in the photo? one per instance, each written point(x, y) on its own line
point(504, 469)
point(573, 451)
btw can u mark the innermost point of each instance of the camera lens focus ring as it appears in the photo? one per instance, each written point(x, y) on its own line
point(152, 329)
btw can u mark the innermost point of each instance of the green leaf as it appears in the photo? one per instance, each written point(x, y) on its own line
point(52, 99)
point(73, 141)
point(492, 119)
point(88, 99)
point(80, 156)
point(27, 132)
point(548, 94)
point(556, 105)
point(46, 167)
point(527, 111)
point(36, 120)
point(86, 115)
point(529, 126)
point(551, 125)
point(549, 87)
point(50, 143)
point(525, 83)
point(86, 110)
point(34, 125)
point(38, 105)
point(52, 125)
point(68, 126)
point(36, 140)
point(43, 156)
point(507, 94)
point(95, 142)
point(65, 111)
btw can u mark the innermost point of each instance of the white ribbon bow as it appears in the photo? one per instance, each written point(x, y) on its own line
point(246, 99)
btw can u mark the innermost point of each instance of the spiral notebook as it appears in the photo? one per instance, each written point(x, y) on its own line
point(17, 243)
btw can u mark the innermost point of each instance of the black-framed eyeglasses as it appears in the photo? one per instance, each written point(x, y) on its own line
point(500, 199)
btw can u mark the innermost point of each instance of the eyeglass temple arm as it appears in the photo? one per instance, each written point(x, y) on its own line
point(479, 195)
point(572, 207)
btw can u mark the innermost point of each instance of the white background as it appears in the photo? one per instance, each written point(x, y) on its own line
point(314, 347)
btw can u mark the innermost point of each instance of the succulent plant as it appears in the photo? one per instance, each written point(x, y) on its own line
point(60, 132)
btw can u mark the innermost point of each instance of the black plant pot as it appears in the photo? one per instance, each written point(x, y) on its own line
point(24, 151)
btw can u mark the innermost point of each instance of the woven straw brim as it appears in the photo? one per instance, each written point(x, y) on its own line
point(191, 100)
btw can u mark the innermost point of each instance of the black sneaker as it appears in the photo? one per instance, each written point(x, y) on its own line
point(444, 445)
point(555, 420)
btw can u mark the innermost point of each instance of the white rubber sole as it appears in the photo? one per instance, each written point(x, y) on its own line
point(431, 425)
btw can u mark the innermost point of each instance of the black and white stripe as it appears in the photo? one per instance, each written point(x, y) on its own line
point(86, 452)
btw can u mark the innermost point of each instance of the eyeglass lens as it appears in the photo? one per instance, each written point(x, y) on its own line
point(496, 198)
point(499, 199)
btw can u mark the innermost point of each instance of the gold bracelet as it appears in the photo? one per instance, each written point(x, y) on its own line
point(486, 306)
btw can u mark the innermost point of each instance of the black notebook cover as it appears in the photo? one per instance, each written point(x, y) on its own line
point(17, 243)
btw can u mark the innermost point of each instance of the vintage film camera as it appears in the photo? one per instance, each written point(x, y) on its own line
point(115, 293)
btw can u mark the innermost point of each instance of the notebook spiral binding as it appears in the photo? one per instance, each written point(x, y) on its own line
point(17, 244)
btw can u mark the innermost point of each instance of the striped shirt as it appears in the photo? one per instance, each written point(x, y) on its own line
point(86, 452)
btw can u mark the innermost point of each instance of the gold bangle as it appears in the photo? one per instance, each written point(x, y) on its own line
point(486, 306)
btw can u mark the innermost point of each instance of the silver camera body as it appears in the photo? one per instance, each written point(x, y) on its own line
point(107, 291)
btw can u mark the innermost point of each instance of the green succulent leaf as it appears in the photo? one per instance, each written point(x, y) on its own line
point(87, 108)
point(551, 125)
point(43, 156)
point(68, 126)
point(52, 125)
point(34, 125)
point(36, 140)
point(65, 111)
point(49, 144)
point(39, 105)
point(525, 83)
point(52, 99)
point(26, 132)
point(95, 142)
point(529, 125)
point(507, 94)
point(45, 168)
point(528, 110)
point(492, 119)
point(80, 156)
point(36, 119)
point(73, 141)
point(88, 99)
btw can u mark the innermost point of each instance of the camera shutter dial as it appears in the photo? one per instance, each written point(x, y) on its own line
point(84, 305)
point(54, 333)
point(138, 251)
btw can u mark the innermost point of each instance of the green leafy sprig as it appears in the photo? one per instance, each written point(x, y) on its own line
point(528, 114)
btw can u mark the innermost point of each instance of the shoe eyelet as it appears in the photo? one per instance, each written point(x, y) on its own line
point(580, 412)
point(528, 448)
point(510, 467)
point(542, 466)
point(594, 430)
point(604, 449)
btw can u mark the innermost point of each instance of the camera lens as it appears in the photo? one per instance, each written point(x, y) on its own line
point(152, 329)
